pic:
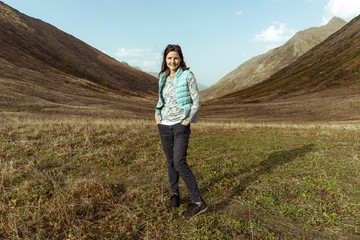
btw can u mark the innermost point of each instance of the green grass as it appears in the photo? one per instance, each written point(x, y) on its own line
point(97, 179)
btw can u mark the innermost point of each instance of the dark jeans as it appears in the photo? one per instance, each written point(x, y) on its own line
point(175, 139)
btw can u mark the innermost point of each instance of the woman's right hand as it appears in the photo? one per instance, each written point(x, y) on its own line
point(157, 119)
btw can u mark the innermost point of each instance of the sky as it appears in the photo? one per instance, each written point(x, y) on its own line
point(216, 36)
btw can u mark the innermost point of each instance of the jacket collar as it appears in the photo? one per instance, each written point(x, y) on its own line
point(166, 73)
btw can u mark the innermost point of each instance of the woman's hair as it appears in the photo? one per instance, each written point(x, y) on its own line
point(172, 48)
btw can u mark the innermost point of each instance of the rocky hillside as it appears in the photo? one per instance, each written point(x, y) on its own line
point(42, 65)
point(263, 66)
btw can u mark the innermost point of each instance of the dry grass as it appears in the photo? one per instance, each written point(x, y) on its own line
point(333, 105)
point(101, 178)
point(346, 125)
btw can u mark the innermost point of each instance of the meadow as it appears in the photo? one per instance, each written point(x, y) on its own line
point(93, 178)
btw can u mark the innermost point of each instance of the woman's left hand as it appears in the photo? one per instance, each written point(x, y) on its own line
point(184, 123)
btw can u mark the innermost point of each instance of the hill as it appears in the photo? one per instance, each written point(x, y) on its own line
point(261, 67)
point(43, 67)
point(322, 84)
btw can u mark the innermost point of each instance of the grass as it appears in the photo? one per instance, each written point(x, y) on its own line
point(107, 179)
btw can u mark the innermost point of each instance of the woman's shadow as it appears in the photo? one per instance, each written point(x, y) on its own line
point(274, 160)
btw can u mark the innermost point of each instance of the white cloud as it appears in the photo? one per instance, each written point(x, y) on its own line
point(278, 32)
point(145, 58)
point(346, 9)
point(239, 12)
point(126, 52)
point(149, 63)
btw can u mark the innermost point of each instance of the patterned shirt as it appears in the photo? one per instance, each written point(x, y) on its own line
point(170, 111)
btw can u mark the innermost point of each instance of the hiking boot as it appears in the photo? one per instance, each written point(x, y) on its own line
point(174, 201)
point(194, 209)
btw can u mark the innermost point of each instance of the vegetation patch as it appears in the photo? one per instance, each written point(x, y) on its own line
point(107, 179)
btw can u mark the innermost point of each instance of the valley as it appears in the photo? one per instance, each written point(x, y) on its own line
point(81, 158)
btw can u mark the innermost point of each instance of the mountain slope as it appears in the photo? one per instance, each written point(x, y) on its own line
point(263, 66)
point(32, 43)
point(322, 85)
point(43, 66)
point(333, 63)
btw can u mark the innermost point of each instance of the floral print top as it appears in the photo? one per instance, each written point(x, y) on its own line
point(170, 112)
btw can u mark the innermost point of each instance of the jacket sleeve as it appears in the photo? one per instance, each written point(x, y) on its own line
point(195, 96)
point(158, 108)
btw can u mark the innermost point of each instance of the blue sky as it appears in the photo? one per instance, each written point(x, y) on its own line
point(216, 36)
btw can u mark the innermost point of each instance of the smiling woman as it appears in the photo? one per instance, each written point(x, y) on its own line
point(173, 62)
point(177, 107)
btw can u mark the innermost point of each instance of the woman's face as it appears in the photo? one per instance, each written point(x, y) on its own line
point(173, 61)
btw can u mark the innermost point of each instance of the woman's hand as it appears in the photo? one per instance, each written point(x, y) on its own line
point(184, 123)
point(157, 119)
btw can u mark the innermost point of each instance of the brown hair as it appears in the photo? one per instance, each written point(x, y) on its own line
point(172, 48)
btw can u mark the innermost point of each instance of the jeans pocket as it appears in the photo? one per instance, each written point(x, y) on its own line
point(186, 126)
point(161, 127)
point(183, 129)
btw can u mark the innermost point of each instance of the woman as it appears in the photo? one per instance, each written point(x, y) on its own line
point(178, 104)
